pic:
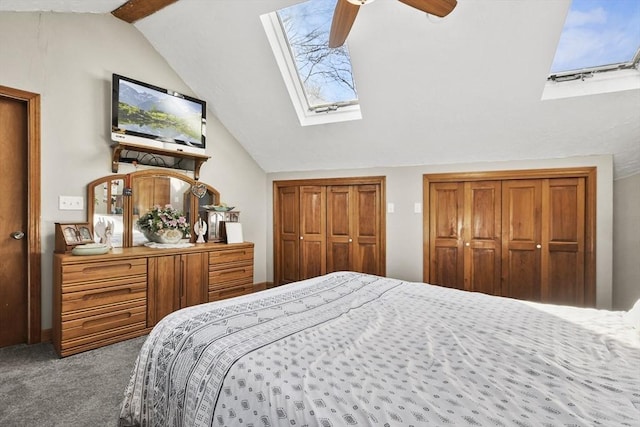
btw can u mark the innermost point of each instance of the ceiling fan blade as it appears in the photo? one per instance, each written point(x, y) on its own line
point(439, 8)
point(343, 18)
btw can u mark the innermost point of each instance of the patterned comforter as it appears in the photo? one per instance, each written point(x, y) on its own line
point(351, 349)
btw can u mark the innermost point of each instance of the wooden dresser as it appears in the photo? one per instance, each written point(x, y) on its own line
point(102, 299)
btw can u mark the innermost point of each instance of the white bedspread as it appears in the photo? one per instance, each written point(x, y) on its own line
point(351, 349)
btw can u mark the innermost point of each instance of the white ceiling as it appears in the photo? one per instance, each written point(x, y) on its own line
point(466, 88)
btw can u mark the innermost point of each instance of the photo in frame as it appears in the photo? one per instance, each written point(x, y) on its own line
point(69, 235)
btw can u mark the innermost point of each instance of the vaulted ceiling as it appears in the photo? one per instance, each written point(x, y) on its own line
point(467, 88)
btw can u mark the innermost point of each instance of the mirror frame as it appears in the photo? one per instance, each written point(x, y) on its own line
point(127, 211)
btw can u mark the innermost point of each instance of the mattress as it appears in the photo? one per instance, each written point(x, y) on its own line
point(350, 349)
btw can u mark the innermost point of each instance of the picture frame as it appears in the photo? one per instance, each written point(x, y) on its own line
point(69, 235)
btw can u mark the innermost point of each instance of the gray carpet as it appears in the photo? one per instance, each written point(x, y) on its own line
point(39, 389)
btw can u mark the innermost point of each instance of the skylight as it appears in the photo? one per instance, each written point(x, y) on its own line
point(319, 79)
point(598, 35)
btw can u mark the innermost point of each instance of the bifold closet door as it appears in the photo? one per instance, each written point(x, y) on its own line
point(313, 224)
point(288, 229)
point(353, 228)
point(522, 238)
point(563, 244)
point(465, 230)
point(544, 238)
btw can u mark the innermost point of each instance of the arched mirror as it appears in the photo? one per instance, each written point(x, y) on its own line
point(119, 200)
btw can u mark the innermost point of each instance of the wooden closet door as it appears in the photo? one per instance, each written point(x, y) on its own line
point(339, 240)
point(482, 226)
point(563, 222)
point(365, 218)
point(445, 228)
point(287, 227)
point(521, 238)
point(313, 224)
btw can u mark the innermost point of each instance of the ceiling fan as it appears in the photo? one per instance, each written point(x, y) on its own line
point(346, 11)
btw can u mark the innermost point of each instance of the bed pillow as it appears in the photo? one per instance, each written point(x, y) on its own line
point(633, 316)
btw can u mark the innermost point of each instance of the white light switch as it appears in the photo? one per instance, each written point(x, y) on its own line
point(70, 203)
point(417, 208)
point(390, 208)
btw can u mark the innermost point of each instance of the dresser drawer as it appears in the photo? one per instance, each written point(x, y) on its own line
point(230, 256)
point(229, 275)
point(229, 292)
point(101, 270)
point(104, 321)
point(83, 296)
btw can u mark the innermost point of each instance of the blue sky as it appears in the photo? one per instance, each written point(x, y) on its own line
point(598, 32)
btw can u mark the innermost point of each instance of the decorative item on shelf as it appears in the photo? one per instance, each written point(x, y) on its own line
point(199, 190)
point(219, 208)
point(164, 225)
point(104, 230)
point(200, 229)
point(69, 235)
point(90, 249)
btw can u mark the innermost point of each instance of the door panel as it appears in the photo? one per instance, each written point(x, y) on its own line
point(339, 245)
point(366, 229)
point(13, 218)
point(482, 237)
point(313, 224)
point(195, 272)
point(289, 235)
point(522, 232)
point(446, 243)
point(562, 261)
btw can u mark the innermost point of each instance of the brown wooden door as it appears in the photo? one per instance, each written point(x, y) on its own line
point(13, 219)
point(482, 236)
point(339, 234)
point(313, 225)
point(446, 215)
point(366, 229)
point(522, 238)
point(353, 228)
point(563, 239)
point(287, 268)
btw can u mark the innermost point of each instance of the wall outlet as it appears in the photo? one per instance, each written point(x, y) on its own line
point(70, 203)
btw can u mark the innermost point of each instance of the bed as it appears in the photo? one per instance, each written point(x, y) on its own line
point(350, 349)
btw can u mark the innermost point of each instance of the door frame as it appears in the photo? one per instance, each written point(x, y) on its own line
point(34, 272)
point(587, 172)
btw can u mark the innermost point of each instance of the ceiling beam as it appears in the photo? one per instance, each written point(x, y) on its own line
point(134, 10)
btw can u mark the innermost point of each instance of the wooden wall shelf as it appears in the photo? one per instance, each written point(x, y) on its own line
point(198, 159)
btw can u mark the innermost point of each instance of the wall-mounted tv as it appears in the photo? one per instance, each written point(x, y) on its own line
point(151, 116)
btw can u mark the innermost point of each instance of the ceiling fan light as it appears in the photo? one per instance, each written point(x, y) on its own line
point(359, 2)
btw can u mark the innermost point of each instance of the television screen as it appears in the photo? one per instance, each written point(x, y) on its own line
point(152, 116)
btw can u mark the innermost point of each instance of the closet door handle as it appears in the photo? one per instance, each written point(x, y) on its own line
point(350, 240)
point(301, 237)
point(538, 246)
point(467, 244)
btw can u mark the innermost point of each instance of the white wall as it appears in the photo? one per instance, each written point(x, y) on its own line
point(626, 242)
point(68, 59)
point(404, 227)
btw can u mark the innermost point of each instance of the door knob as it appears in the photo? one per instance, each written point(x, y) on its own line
point(467, 244)
point(301, 237)
point(18, 235)
point(538, 246)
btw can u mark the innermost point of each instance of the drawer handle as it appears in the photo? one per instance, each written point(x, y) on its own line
point(227, 253)
point(96, 322)
point(107, 294)
point(102, 268)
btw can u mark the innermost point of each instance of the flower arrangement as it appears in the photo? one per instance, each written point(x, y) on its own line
point(164, 218)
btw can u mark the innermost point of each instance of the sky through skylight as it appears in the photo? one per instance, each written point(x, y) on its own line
point(325, 73)
point(598, 32)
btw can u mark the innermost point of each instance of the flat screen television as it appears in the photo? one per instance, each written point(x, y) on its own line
point(151, 116)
